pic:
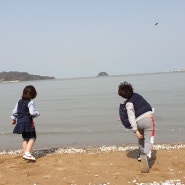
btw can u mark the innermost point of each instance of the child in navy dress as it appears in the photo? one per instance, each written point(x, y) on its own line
point(137, 114)
point(22, 118)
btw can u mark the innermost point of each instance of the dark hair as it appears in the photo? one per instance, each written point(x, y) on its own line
point(125, 90)
point(29, 92)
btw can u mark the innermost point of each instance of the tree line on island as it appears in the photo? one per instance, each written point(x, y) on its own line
point(21, 76)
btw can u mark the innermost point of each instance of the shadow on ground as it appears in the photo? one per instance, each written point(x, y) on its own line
point(43, 152)
point(134, 153)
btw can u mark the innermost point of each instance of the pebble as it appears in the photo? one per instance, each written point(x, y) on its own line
point(167, 182)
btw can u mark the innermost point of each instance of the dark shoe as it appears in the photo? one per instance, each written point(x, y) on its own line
point(144, 164)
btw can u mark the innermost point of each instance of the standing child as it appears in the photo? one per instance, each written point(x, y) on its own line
point(137, 114)
point(22, 118)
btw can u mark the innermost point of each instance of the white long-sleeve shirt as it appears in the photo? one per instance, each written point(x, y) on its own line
point(32, 110)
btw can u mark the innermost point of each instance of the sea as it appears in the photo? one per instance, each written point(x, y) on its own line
point(84, 112)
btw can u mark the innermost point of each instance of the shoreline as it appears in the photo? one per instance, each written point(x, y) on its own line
point(96, 149)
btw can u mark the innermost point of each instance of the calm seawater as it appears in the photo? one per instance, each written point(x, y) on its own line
point(83, 112)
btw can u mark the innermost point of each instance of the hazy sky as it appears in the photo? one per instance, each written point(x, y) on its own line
point(80, 38)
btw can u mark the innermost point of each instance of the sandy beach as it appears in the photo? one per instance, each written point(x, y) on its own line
point(94, 166)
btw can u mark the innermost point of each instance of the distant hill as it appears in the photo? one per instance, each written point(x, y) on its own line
point(21, 76)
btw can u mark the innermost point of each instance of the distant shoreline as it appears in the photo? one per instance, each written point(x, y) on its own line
point(75, 78)
point(133, 74)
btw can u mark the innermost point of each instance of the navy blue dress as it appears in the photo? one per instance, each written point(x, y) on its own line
point(24, 119)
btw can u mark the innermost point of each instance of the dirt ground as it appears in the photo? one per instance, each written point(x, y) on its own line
point(104, 168)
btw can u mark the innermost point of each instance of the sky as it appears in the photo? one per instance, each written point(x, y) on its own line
point(81, 38)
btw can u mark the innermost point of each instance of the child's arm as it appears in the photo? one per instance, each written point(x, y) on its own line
point(131, 116)
point(32, 109)
point(14, 114)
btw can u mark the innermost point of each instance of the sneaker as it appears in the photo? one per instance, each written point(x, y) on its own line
point(144, 164)
point(28, 157)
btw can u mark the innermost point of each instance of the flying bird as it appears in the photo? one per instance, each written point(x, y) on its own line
point(156, 23)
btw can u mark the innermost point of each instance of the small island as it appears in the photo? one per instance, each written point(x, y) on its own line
point(103, 74)
point(15, 76)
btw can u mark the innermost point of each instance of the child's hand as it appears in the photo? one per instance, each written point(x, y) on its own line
point(13, 121)
point(119, 119)
point(138, 135)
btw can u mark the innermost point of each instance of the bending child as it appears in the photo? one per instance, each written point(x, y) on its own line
point(136, 113)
